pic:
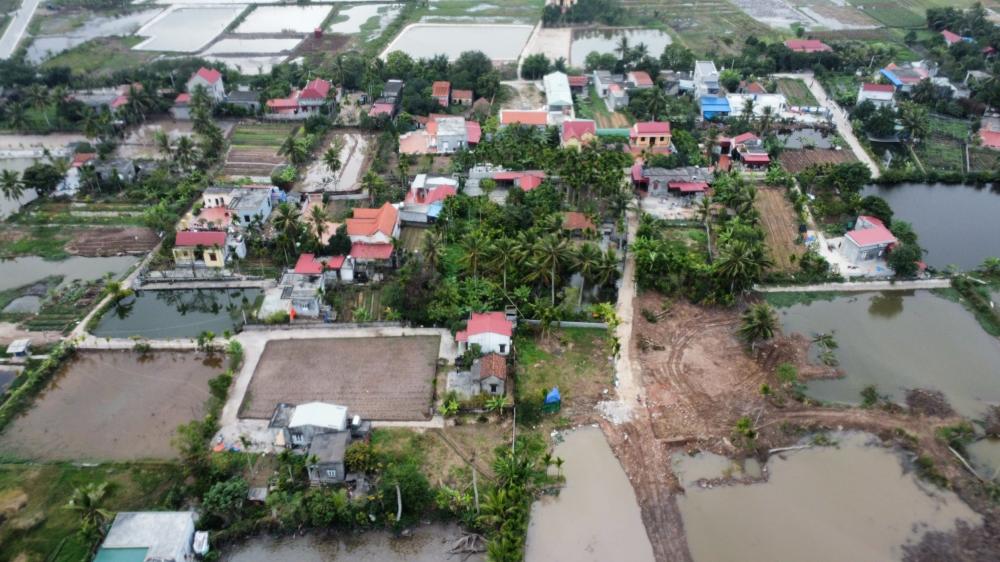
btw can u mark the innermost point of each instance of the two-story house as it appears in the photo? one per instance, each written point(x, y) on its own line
point(211, 80)
point(706, 78)
point(302, 104)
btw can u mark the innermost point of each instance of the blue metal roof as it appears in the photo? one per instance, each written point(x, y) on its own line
point(434, 209)
point(892, 77)
point(713, 103)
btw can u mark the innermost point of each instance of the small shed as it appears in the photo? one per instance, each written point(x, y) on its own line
point(19, 348)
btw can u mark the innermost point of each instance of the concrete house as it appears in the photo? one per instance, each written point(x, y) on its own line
point(689, 181)
point(576, 133)
point(714, 107)
point(425, 199)
point(558, 97)
point(777, 103)
point(706, 78)
point(651, 136)
point(527, 118)
point(441, 91)
point(244, 98)
point(488, 375)
point(869, 240)
point(602, 79)
point(617, 97)
point(443, 134)
point(491, 331)
point(302, 104)
point(461, 97)
point(181, 110)
point(206, 249)
point(314, 418)
point(879, 94)
point(374, 226)
point(907, 75)
point(150, 536)
point(329, 450)
point(211, 80)
point(322, 432)
point(639, 80)
point(245, 203)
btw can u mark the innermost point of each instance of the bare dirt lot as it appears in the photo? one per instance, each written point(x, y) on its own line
point(388, 378)
point(795, 161)
point(96, 242)
point(780, 228)
point(114, 406)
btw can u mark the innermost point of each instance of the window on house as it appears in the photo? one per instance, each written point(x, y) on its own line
point(298, 439)
point(503, 348)
point(493, 389)
point(331, 473)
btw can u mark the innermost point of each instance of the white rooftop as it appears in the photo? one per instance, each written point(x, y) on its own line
point(451, 126)
point(319, 414)
point(423, 180)
point(777, 103)
point(165, 533)
point(557, 90)
point(18, 347)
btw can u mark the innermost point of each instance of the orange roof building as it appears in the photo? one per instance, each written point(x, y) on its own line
point(374, 226)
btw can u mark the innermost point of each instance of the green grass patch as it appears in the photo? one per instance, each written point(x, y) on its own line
point(983, 159)
point(47, 242)
point(104, 55)
point(954, 128)
point(574, 359)
point(942, 153)
point(48, 487)
point(797, 92)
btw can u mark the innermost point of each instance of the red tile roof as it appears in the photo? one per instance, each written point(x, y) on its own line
point(291, 102)
point(381, 109)
point(807, 45)
point(885, 88)
point(534, 118)
point(573, 220)
point(725, 163)
point(756, 158)
point(210, 75)
point(335, 262)
point(439, 193)
point(190, 238)
point(461, 95)
point(875, 234)
point(367, 222)
point(492, 365)
point(119, 101)
point(473, 132)
point(641, 78)
point(650, 128)
point(744, 137)
point(316, 89)
point(577, 81)
point(577, 129)
point(308, 265)
point(182, 98)
point(688, 186)
point(361, 251)
point(990, 139)
point(83, 158)
point(440, 89)
point(755, 88)
point(950, 37)
point(526, 180)
point(486, 323)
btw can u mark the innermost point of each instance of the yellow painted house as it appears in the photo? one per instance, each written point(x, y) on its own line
point(206, 249)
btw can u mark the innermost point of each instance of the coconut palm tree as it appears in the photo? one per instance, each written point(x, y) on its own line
point(640, 51)
point(559, 464)
point(991, 265)
point(318, 218)
point(185, 152)
point(86, 504)
point(502, 255)
point(38, 97)
point(606, 271)
point(586, 259)
point(550, 253)
point(623, 49)
point(17, 116)
point(475, 250)
point(741, 263)
point(759, 323)
point(331, 158)
point(11, 185)
point(430, 249)
point(162, 143)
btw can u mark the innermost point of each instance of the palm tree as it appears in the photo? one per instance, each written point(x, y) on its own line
point(332, 160)
point(657, 104)
point(640, 51)
point(559, 464)
point(991, 265)
point(38, 96)
point(86, 503)
point(318, 218)
point(550, 253)
point(475, 248)
point(504, 253)
point(767, 114)
point(184, 152)
point(162, 143)
point(11, 185)
point(431, 249)
point(586, 260)
point(606, 271)
point(17, 116)
point(914, 120)
point(623, 49)
point(741, 263)
point(759, 323)
point(405, 160)
point(295, 149)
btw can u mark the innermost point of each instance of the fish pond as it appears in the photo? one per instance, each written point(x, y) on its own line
point(179, 313)
point(49, 44)
point(956, 224)
point(426, 40)
point(586, 41)
point(19, 272)
point(857, 500)
point(900, 340)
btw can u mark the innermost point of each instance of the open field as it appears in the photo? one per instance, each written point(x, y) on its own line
point(797, 92)
point(385, 378)
point(254, 147)
point(33, 497)
point(780, 228)
point(53, 242)
point(412, 237)
point(593, 107)
point(104, 55)
point(945, 149)
point(983, 159)
point(795, 161)
point(114, 406)
point(703, 27)
point(576, 360)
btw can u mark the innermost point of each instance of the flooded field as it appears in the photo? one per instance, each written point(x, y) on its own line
point(596, 516)
point(806, 138)
point(957, 224)
point(902, 340)
point(186, 30)
point(250, 65)
point(252, 46)
point(985, 457)
point(179, 314)
point(278, 19)
point(425, 40)
point(23, 271)
point(603, 41)
point(855, 501)
point(47, 45)
point(358, 15)
point(427, 543)
point(114, 405)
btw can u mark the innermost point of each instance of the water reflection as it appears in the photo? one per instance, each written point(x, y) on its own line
point(179, 313)
point(887, 304)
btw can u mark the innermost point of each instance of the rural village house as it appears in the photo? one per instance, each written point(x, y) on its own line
point(879, 94)
point(152, 536)
point(425, 199)
point(208, 249)
point(488, 375)
point(869, 240)
point(491, 331)
point(322, 433)
point(301, 104)
point(441, 91)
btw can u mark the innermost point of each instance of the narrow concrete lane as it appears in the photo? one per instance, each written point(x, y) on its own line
point(15, 31)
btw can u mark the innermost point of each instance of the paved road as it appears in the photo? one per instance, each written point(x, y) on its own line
point(858, 286)
point(15, 31)
point(840, 118)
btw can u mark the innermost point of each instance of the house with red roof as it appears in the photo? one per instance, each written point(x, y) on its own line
point(425, 199)
point(652, 136)
point(374, 226)
point(808, 46)
point(211, 80)
point(442, 134)
point(879, 94)
point(441, 91)
point(577, 223)
point(950, 38)
point(639, 80)
point(205, 249)
point(578, 132)
point(577, 84)
point(304, 103)
point(870, 240)
point(461, 97)
point(535, 118)
point(300, 291)
point(491, 331)
point(181, 110)
point(989, 132)
point(488, 375)
point(527, 180)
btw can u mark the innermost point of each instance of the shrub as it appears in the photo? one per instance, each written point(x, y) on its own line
point(280, 317)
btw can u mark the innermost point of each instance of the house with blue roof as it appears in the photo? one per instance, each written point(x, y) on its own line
point(713, 107)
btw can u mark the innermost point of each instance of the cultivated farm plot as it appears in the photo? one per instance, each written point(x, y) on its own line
point(945, 149)
point(114, 406)
point(381, 378)
point(797, 92)
point(795, 161)
point(780, 228)
point(983, 159)
point(254, 147)
point(709, 26)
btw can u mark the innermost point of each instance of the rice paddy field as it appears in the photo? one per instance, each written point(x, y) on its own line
point(186, 30)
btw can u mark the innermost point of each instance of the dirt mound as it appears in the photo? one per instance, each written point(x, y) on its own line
point(928, 402)
point(100, 242)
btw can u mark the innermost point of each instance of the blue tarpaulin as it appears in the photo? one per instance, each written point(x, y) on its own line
point(553, 396)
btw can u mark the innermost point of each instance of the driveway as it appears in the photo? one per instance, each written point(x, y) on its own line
point(15, 31)
point(626, 371)
point(840, 118)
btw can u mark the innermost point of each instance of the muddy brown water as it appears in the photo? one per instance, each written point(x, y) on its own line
point(113, 405)
point(855, 501)
point(900, 340)
point(985, 457)
point(596, 516)
point(428, 543)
